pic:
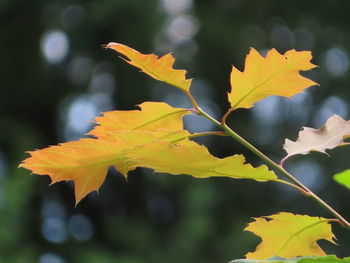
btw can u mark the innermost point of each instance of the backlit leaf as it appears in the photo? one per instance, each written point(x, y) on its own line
point(274, 75)
point(288, 235)
point(188, 157)
point(331, 135)
point(86, 162)
point(322, 259)
point(153, 117)
point(343, 178)
point(152, 137)
point(158, 68)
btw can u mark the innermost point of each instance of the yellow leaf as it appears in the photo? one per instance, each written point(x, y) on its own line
point(274, 75)
point(153, 117)
point(288, 235)
point(188, 157)
point(152, 137)
point(158, 68)
point(86, 161)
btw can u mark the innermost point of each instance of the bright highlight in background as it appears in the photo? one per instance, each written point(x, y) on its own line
point(54, 46)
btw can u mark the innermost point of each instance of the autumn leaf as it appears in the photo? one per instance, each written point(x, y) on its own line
point(343, 178)
point(85, 162)
point(274, 75)
point(158, 68)
point(152, 137)
point(153, 117)
point(312, 259)
point(331, 135)
point(288, 235)
point(188, 157)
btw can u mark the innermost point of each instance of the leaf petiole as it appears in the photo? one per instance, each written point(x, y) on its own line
point(200, 134)
point(297, 184)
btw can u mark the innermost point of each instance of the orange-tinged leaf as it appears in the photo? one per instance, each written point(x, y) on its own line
point(274, 75)
point(86, 161)
point(289, 235)
point(152, 117)
point(331, 135)
point(158, 68)
point(152, 137)
point(188, 157)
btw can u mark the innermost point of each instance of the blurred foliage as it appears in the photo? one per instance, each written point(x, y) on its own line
point(159, 218)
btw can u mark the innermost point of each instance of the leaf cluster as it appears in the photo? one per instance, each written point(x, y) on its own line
point(154, 137)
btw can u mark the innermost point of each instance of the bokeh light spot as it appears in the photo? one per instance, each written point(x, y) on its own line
point(51, 258)
point(54, 46)
point(80, 227)
point(336, 61)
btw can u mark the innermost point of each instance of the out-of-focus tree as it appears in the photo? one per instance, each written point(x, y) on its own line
point(55, 78)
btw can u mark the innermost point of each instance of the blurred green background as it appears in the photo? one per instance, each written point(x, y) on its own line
point(55, 78)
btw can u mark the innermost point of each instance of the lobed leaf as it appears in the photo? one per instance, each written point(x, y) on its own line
point(343, 178)
point(288, 235)
point(153, 117)
point(86, 162)
point(152, 137)
point(274, 75)
point(331, 135)
point(188, 157)
point(322, 259)
point(158, 68)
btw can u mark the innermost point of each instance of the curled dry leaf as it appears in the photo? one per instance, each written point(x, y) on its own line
point(331, 135)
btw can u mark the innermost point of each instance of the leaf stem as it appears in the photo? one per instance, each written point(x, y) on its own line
point(297, 184)
point(223, 120)
point(293, 186)
point(200, 134)
point(194, 102)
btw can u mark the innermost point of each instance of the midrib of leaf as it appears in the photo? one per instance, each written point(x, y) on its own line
point(258, 86)
point(319, 145)
point(81, 165)
point(300, 231)
point(213, 170)
point(158, 76)
point(157, 119)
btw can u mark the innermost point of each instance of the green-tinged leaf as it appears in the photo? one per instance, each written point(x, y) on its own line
point(288, 235)
point(323, 259)
point(158, 68)
point(331, 135)
point(188, 157)
point(152, 137)
point(343, 178)
point(274, 74)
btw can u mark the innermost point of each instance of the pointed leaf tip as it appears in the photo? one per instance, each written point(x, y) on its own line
point(343, 178)
point(289, 235)
point(310, 259)
point(329, 136)
point(158, 68)
point(275, 74)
